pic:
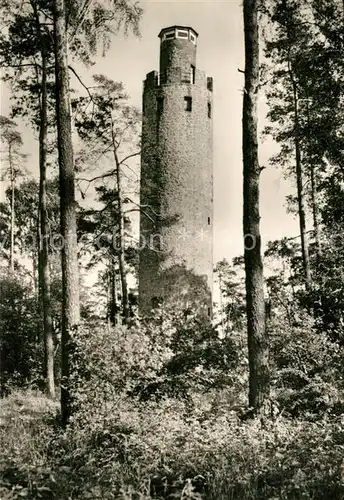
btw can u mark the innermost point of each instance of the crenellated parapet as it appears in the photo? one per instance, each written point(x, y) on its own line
point(178, 76)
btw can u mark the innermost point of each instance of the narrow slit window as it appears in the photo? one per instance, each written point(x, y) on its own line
point(208, 221)
point(188, 103)
point(193, 73)
point(160, 105)
point(209, 110)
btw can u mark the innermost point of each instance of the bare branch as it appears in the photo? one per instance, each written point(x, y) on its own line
point(21, 65)
point(131, 170)
point(102, 176)
point(129, 156)
point(81, 82)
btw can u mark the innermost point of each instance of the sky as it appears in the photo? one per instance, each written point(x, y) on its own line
point(220, 53)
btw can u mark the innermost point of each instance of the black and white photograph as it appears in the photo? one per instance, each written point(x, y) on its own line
point(172, 249)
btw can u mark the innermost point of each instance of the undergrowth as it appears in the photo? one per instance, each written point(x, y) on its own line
point(144, 450)
point(159, 413)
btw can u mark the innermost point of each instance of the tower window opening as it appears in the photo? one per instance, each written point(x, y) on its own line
point(193, 73)
point(193, 38)
point(169, 35)
point(208, 221)
point(188, 103)
point(160, 105)
point(209, 110)
point(182, 34)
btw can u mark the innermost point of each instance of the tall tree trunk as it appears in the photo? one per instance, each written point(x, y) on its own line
point(315, 212)
point(258, 349)
point(43, 251)
point(108, 295)
point(299, 183)
point(10, 159)
point(70, 274)
point(40, 276)
point(121, 257)
point(34, 272)
point(315, 209)
point(113, 313)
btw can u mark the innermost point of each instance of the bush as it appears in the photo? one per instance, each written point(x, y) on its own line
point(176, 358)
point(21, 351)
point(157, 416)
point(186, 440)
point(307, 369)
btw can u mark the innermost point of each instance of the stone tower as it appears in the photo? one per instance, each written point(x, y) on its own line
point(176, 222)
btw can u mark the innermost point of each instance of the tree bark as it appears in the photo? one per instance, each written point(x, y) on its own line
point(258, 349)
point(121, 257)
point(113, 313)
point(10, 159)
point(43, 250)
point(34, 272)
point(70, 274)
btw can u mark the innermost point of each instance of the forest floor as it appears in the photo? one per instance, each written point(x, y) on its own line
point(159, 455)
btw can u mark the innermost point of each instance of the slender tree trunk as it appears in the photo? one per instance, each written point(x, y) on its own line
point(258, 349)
point(70, 274)
point(108, 295)
point(221, 302)
point(34, 272)
point(44, 261)
point(315, 213)
point(121, 257)
point(315, 210)
point(113, 299)
point(40, 275)
point(43, 251)
point(10, 159)
point(300, 190)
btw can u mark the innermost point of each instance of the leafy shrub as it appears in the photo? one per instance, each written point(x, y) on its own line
point(175, 357)
point(158, 416)
point(307, 369)
point(21, 351)
point(159, 450)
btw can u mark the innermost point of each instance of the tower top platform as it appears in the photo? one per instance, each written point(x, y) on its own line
point(178, 31)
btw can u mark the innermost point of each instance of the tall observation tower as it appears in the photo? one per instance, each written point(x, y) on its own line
point(176, 225)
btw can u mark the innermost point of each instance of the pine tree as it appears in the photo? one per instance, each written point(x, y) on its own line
point(258, 352)
point(70, 272)
point(110, 126)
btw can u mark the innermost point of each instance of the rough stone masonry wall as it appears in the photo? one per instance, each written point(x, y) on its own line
point(177, 183)
point(150, 198)
point(176, 57)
